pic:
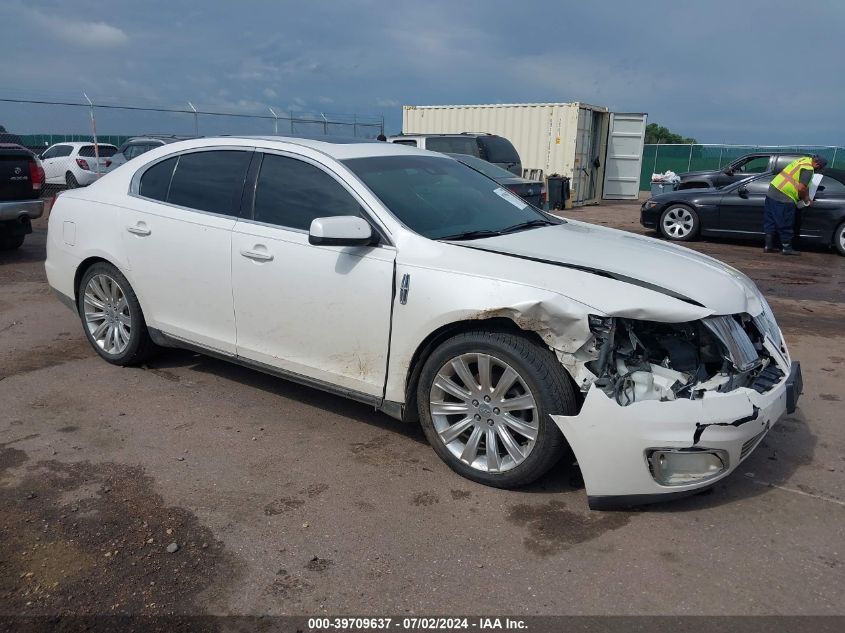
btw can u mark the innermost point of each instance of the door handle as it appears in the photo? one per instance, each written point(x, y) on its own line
point(258, 256)
point(143, 231)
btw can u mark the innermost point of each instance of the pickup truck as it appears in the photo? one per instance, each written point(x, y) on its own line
point(741, 168)
point(21, 184)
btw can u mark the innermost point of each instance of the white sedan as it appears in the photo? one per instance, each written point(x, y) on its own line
point(406, 280)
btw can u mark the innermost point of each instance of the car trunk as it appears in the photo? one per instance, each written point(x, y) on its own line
point(15, 175)
point(96, 164)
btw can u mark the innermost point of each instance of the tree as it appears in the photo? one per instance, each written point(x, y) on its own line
point(655, 133)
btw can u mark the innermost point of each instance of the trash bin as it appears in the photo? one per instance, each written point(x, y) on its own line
point(558, 191)
point(662, 187)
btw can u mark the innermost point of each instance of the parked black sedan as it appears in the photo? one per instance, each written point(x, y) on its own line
point(532, 191)
point(737, 211)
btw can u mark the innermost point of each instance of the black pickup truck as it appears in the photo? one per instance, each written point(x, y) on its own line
point(21, 185)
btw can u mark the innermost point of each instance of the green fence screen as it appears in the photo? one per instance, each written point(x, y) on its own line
point(682, 158)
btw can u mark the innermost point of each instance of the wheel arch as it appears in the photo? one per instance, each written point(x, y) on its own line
point(444, 332)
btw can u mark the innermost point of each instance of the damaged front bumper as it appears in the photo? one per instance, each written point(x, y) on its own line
point(616, 446)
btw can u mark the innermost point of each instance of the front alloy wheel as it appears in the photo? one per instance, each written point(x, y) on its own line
point(485, 401)
point(679, 222)
point(484, 412)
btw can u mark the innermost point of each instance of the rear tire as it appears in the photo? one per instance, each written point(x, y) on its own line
point(111, 316)
point(487, 410)
point(71, 181)
point(679, 222)
point(11, 242)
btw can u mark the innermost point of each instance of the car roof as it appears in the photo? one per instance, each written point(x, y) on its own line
point(78, 144)
point(339, 148)
point(451, 134)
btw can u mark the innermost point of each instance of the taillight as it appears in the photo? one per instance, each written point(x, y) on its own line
point(82, 163)
point(36, 176)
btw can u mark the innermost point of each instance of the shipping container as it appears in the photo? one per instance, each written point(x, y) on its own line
point(599, 151)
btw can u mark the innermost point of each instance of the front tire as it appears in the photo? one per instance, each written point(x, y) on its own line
point(484, 402)
point(111, 316)
point(839, 239)
point(679, 222)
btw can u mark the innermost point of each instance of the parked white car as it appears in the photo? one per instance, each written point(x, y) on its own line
point(75, 164)
point(406, 280)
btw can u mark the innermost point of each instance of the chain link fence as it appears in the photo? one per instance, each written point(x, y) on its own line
point(683, 158)
point(78, 142)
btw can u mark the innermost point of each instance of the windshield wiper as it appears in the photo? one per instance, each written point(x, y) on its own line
point(471, 235)
point(525, 225)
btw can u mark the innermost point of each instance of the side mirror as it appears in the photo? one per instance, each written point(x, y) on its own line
point(342, 230)
point(728, 172)
point(742, 191)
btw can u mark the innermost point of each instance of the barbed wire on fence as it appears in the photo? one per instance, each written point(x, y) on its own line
point(280, 121)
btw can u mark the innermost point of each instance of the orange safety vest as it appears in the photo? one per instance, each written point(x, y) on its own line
point(787, 181)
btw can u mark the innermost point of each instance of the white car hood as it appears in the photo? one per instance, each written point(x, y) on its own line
point(644, 261)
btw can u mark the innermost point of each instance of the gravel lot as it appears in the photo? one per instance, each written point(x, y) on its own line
point(284, 500)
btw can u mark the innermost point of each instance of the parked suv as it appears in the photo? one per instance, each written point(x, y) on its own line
point(741, 168)
point(406, 280)
point(75, 164)
point(139, 145)
point(21, 184)
point(490, 147)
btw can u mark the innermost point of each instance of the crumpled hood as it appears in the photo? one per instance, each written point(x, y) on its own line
point(640, 260)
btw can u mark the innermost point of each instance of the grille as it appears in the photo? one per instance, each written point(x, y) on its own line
point(740, 348)
point(749, 445)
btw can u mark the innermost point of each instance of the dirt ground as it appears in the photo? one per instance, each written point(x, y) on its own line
point(193, 486)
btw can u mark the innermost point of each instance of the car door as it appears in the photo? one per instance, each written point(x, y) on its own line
point(55, 163)
point(313, 310)
point(177, 232)
point(819, 219)
point(741, 207)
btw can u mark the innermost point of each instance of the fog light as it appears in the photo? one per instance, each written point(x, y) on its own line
point(682, 466)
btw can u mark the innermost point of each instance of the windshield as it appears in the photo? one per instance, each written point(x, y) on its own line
point(488, 169)
point(441, 198)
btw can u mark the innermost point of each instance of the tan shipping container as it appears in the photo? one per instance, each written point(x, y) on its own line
point(570, 139)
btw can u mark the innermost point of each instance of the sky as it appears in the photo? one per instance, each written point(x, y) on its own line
point(750, 72)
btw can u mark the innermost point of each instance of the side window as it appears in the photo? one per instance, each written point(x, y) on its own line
point(759, 186)
point(62, 151)
point(156, 180)
point(50, 153)
point(210, 181)
point(452, 144)
point(410, 142)
point(292, 193)
point(831, 186)
point(756, 165)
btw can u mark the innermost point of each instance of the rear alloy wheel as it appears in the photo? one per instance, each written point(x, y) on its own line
point(679, 222)
point(484, 403)
point(839, 239)
point(71, 181)
point(112, 317)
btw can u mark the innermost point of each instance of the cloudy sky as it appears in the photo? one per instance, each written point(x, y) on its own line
point(722, 71)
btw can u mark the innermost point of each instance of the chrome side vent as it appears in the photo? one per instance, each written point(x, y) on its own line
point(404, 287)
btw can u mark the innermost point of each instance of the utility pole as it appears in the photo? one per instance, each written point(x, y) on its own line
point(94, 133)
point(196, 119)
point(275, 121)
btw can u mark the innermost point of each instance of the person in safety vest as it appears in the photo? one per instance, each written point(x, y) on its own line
point(786, 189)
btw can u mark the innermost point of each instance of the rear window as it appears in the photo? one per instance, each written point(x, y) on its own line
point(156, 180)
point(105, 151)
point(210, 181)
point(452, 144)
point(498, 150)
